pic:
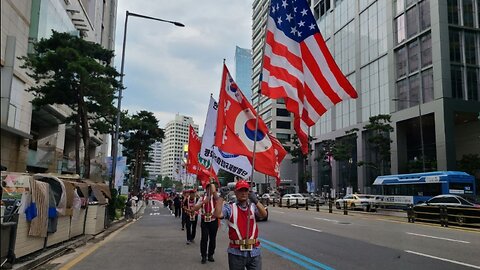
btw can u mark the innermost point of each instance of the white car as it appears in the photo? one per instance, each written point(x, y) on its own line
point(357, 201)
point(293, 198)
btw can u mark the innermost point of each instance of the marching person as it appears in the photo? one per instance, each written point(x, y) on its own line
point(208, 223)
point(243, 250)
point(177, 204)
point(192, 216)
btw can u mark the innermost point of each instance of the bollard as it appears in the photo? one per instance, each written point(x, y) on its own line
point(306, 204)
point(280, 203)
point(345, 211)
point(330, 204)
point(443, 216)
point(318, 206)
point(288, 203)
point(268, 201)
point(410, 214)
point(296, 205)
point(273, 202)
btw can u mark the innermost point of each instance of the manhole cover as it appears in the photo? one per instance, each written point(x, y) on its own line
point(344, 223)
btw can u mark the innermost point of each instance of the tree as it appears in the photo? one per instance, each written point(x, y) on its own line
point(470, 163)
point(74, 72)
point(167, 182)
point(378, 133)
point(343, 151)
point(139, 132)
point(301, 160)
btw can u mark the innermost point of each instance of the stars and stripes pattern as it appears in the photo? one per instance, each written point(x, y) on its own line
point(298, 67)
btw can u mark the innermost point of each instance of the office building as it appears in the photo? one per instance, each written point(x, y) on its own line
point(417, 61)
point(176, 136)
point(39, 140)
point(154, 168)
point(243, 69)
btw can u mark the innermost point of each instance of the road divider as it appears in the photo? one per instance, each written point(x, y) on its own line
point(443, 259)
point(293, 256)
point(440, 238)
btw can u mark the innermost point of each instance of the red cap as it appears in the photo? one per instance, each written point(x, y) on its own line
point(242, 184)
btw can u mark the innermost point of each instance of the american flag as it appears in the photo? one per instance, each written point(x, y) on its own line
point(298, 66)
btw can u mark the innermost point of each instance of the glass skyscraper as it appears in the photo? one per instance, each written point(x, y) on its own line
point(243, 69)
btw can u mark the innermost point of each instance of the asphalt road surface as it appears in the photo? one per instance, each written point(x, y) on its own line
point(291, 239)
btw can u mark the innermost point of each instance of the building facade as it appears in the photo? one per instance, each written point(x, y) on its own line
point(176, 136)
point(37, 139)
point(415, 60)
point(243, 69)
point(154, 168)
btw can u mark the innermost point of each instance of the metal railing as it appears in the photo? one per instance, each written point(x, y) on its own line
point(445, 215)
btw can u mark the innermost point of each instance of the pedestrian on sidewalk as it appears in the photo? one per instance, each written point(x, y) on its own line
point(184, 214)
point(192, 216)
point(244, 248)
point(177, 204)
point(208, 223)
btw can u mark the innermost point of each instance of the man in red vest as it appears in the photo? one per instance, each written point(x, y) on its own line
point(244, 248)
point(209, 224)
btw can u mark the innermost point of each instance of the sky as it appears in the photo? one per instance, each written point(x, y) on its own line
point(170, 69)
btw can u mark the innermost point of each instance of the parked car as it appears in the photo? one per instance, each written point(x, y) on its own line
point(313, 198)
point(357, 201)
point(270, 197)
point(460, 210)
point(294, 199)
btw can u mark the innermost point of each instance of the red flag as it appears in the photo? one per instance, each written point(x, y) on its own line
point(235, 131)
point(298, 67)
point(193, 164)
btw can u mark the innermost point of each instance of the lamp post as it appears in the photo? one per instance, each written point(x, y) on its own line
point(119, 103)
point(421, 129)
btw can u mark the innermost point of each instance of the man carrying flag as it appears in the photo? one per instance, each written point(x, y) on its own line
point(298, 67)
point(193, 164)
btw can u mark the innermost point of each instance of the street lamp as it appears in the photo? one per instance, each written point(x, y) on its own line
point(117, 124)
point(421, 128)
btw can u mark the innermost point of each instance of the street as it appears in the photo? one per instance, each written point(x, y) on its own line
point(291, 239)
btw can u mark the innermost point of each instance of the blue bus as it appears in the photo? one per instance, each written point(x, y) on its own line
point(414, 188)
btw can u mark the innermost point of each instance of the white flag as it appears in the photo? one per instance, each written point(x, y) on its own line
point(210, 155)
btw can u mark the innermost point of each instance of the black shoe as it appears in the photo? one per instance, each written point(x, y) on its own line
point(204, 260)
point(188, 242)
point(211, 259)
point(183, 229)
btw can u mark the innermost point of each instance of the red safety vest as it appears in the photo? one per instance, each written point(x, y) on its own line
point(238, 225)
point(208, 207)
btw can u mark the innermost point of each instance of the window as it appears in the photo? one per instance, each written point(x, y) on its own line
point(280, 101)
point(470, 48)
point(282, 112)
point(399, 6)
point(402, 94)
point(427, 84)
point(410, 2)
point(283, 124)
point(424, 15)
point(468, 13)
point(457, 82)
point(455, 54)
point(412, 22)
point(413, 56)
point(453, 11)
point(283, 137)
point(426, 44)
point(401, 57)
point(400, 24)
point(472, 84)
point(414, 90)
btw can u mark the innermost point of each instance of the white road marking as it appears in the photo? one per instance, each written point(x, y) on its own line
point(441, 238)
point(326, 219)
point(442, 259)
point(306, 228)
point(280, 212)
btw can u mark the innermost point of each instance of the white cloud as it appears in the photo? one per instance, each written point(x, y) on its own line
point(171, 69)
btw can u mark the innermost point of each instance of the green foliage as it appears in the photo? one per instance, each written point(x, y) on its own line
point(139, 132)
point(299, 158)
point(167, 182)
point(378, 133)
point(74, 72)
point(470, 163)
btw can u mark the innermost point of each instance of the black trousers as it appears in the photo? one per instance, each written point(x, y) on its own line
point(184, 219)
point(177, 211)
point(209, 235)
point(191, 228)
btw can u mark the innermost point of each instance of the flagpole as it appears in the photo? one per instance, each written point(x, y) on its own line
point(256, 120)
